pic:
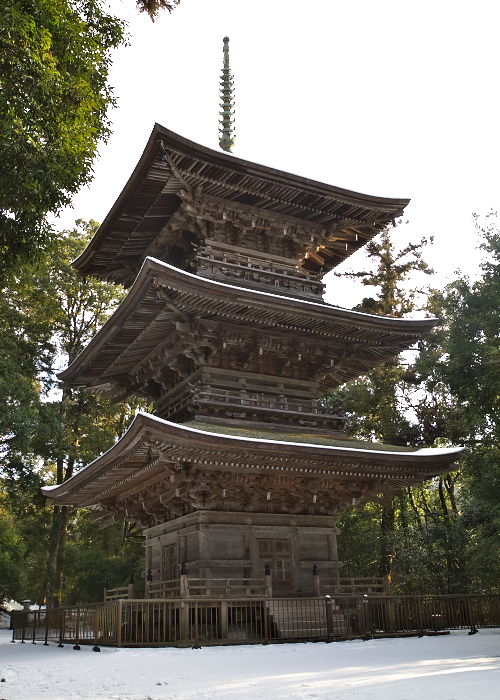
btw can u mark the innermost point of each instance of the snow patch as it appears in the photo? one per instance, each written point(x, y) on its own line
point(454, 667)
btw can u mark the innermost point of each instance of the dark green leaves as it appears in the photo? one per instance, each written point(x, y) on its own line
point(54, 94)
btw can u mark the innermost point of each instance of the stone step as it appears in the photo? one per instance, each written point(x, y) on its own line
point(304, 621)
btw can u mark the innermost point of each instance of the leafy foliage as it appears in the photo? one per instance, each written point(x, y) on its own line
point(393, 268)
point(154, 7)
point(55, 57)
point(443, 534)
point(11, 558)
point(53, 313)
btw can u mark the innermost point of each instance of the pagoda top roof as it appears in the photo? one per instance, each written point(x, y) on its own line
point(143, 455)
point(171, 164)
point(162, 293)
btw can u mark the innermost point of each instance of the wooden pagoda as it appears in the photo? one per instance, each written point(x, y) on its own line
point(241, 468)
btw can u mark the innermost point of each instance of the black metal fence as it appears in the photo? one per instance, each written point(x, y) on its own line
point(191, 622)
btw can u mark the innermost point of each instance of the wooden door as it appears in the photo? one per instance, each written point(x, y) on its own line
point(277, 553)
point(169, 564)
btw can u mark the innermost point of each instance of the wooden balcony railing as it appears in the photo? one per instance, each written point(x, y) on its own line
point(116, 593)
point(185, 586)
point(371, 585)
point(193, 587)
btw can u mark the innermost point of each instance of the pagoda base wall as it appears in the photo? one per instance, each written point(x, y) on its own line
point(229, 545)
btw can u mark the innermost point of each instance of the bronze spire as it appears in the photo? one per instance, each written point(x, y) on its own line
point(226, 129)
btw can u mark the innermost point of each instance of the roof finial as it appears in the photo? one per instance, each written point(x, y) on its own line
point(226, 129)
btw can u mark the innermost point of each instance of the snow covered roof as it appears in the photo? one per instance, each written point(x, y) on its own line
point(153, 454)
point(145, 318)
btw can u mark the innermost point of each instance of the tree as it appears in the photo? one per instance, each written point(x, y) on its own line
point(54, 62)
point(472, 346)
point(65, 428)
point(440, 536)
point(374, 402)
point(11, 558)
point(154, 7)
point(459, 371)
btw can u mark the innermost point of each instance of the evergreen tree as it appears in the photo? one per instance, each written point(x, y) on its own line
point(459, 372)
point(61, 429)
point(444, 532)
point(374, 402)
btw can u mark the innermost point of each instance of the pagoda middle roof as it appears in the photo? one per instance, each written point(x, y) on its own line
point(171, 163)
point(162, 295)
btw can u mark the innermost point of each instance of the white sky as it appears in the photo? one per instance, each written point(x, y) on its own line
point(390, 98)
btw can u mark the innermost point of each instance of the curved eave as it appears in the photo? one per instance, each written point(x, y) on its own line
point(146, 425)
point(384, 208)
point(155, 269)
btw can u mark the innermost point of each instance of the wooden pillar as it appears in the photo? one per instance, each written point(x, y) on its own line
point(316, 581)
point(183, 583)
point(149, 579)
point(131, 591)
point(390, 614)
point(329, 616)
point(184, 621)
point(268, 581)
point(148, 559)
point(223, 619)
point(119, 624)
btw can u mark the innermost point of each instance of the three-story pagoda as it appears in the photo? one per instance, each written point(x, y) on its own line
point(225, 329)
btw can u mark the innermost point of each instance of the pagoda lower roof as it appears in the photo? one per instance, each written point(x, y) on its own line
point(153, 462)
point(163, 295)
point(171, 163)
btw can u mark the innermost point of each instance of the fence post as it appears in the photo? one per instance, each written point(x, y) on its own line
point(196, 644)
point(265, 612)
point(366, 617)
point(119, 624)
point(13, 616)
point(77, 631)
point(316, 582)
point(184, 621)
point(473, 628)
point(96, 647)
point(23, 633)
point(329, 617)
point(391, 617)
point(62, 628)
point(420, 616)
point(46, 642)
point(34, 628)
point(223, 619)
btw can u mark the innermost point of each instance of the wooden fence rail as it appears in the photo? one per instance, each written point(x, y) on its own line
point(195, 622)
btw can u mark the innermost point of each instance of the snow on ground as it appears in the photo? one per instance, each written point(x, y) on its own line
point(453, 667)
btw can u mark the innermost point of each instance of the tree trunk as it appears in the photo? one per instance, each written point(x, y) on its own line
point(57, 552)
point(57, 549)
point(387, 520)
